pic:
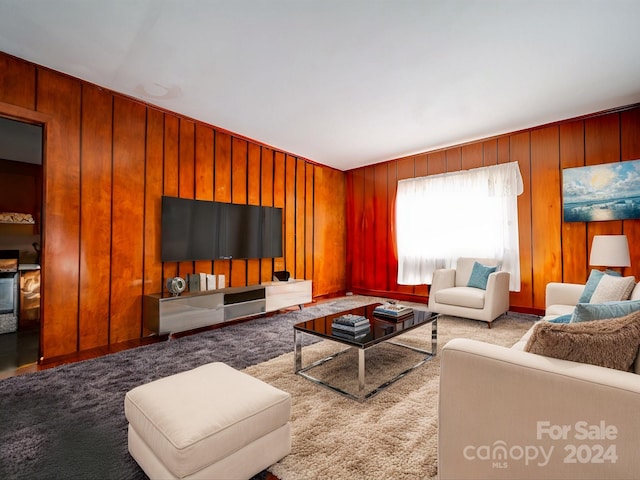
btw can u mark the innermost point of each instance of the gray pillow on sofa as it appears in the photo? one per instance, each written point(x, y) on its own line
point(611, 343)
point(586, 312)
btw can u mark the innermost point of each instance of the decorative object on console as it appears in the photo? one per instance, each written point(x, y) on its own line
point(281, 276)
point(610, 251)
point(176, 286)
point(194, 282)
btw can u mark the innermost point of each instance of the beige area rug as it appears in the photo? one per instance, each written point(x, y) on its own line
point(392, 435)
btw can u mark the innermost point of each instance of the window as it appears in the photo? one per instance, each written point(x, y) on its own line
point(471, 213)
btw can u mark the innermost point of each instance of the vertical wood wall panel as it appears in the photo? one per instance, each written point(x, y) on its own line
point(186, 176)
point(60, 97)
point(355, 205)
point(238, 171)
point(392, 251)
point(290, 215)
point(204, 178)
point(421, 165)
point(471, 156)
point(367, 242)
point(504, 150)
point(490, 152)
point(153, 185)
point(308, 221)
point(574, 234)
point(279, 178)
point(546, 215)
point(222, 189)
point(222, 168)
point(253, 198)
point(95, 218)
point(381, 225)
point(454, 160)
point(520, 152)
point(266, 199)
point(127, 231)
point(238, 195)
point(254, 179)
point(437, 163)
point(171, 177)
point(301, 184)
point(329, 234)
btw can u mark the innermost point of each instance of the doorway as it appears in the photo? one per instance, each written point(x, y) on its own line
point(21, 193)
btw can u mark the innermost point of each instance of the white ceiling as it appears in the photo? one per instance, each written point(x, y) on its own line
point(345, 83)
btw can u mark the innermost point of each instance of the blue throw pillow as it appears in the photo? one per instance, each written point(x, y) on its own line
point(586, 312)
point(562, 319)
point(479, 275)
point(592, 283)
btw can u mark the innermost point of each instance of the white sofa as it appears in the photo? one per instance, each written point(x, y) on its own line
point(449, 294)
point(505, 413)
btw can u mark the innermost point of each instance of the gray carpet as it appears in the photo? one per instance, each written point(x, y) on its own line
point(68, 422)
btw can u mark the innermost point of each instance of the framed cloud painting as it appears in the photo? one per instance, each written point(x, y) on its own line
point(610, 191)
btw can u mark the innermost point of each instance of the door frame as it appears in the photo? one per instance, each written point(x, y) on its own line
point(26, 115)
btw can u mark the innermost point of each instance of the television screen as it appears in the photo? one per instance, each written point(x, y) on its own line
point(243, 231)
point(272, 232)
point(176, 228)
point(205, 230)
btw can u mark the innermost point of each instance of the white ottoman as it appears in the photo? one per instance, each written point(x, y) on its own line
point(212, 422)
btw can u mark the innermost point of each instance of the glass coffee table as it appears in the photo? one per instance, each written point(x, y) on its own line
point(382, 330)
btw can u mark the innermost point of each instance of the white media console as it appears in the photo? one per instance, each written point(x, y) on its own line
point(167, 314)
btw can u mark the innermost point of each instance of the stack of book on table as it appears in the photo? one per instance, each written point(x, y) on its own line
point(392, 310)
point(350, 327)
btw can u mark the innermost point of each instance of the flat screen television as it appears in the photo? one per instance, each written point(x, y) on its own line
point(206, 230)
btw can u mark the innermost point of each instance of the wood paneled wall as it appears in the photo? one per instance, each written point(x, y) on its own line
point(550, 250)
point(108, 159)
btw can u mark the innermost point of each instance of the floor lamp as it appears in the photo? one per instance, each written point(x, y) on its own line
point(610, 251)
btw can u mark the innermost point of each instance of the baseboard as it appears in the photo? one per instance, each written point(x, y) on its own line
point(532, 311)
point(407, 297)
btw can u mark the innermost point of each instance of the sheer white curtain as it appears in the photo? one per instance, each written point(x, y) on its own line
point(471, 213)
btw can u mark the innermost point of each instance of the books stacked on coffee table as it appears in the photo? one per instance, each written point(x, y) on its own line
point(393, 311)
point(350, 327)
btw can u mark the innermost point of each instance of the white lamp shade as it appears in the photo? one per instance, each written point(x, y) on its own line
point(610, 251)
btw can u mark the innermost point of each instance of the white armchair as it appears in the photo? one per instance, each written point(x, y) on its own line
point(450, 295)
